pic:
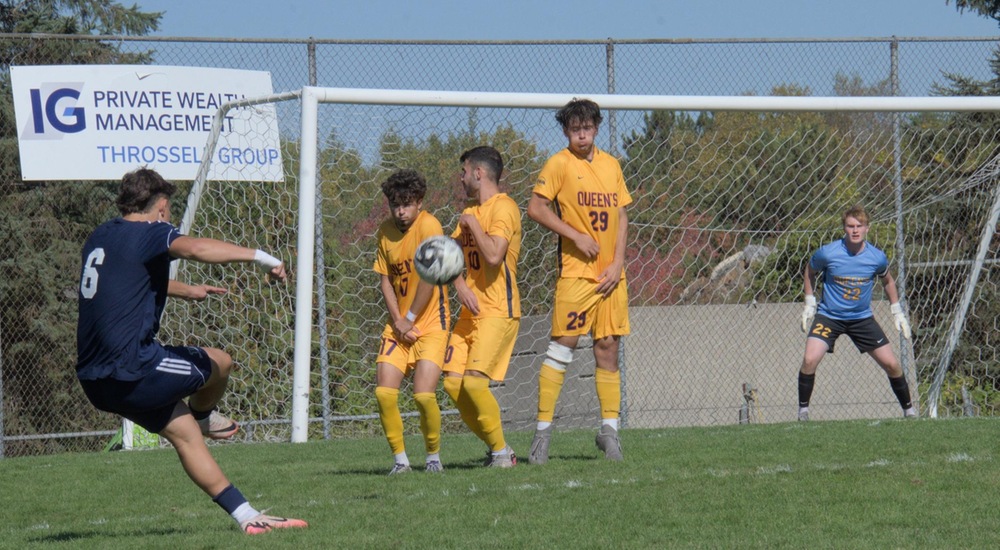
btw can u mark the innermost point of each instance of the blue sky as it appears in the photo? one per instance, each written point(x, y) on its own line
point(565, 20)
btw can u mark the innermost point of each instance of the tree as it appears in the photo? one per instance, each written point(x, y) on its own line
point(986, 8)
point(44, 224)
point(60, 17)
point(102, 17)
point(70, 17)
point(664, 137)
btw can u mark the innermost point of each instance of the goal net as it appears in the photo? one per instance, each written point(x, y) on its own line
point(731, 197)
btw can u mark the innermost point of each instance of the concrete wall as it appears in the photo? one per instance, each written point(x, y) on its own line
point(687, 366)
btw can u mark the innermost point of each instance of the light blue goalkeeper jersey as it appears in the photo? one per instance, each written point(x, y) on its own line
point(848, 279)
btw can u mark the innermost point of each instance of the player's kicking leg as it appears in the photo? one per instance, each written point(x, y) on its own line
point(185, 435)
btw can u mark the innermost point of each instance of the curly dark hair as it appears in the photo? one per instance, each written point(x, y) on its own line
point(404, 187)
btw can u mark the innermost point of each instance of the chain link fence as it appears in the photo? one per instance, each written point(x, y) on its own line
point(44, 411)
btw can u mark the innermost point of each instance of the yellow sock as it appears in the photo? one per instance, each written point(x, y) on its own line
point(453, 385)
point(430, 420)
point(609, 392)
point(392, 421)
point(467, 410)
point(477, 396)
point(550, 383)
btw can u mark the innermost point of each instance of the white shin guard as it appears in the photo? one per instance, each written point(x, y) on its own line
point(558, 356)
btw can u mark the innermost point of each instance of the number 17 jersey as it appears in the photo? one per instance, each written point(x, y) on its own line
point(394, 258)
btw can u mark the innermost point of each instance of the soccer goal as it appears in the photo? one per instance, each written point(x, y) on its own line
point(732, 195)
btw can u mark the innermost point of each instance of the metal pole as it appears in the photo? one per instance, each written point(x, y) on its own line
point(612, 119)
point(613, 149)
point(311, 49)
point(905, 348)
point(304, 290)
point(621, 369)
point(324, 350)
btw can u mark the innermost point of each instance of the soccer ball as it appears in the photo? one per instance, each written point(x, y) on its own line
point(439, 260)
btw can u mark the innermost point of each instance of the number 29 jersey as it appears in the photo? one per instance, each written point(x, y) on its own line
point(587, 196)
point(848, 279)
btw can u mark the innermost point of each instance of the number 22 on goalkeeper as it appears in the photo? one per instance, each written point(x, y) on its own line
point(849, 267)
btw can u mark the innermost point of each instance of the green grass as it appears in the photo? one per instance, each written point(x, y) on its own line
point(858, 484)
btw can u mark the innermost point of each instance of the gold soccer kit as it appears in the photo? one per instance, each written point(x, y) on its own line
point(484, 342)
point(394, 257)
point(587, 195)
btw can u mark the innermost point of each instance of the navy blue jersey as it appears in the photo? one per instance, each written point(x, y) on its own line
point(848, 279)
point(123, 288)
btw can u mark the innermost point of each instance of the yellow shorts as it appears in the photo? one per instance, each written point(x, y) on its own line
point(579, 309)
point(404, 356)
point(483, 345)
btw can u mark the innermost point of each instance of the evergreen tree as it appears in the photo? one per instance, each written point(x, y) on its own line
point(43, 224)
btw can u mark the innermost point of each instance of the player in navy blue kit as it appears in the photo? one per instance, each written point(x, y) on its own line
point(124, 284)
point(849, 267)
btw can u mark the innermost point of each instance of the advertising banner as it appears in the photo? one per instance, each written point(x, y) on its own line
point(97, 122)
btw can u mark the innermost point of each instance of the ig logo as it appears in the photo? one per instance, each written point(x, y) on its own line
point(58, 109)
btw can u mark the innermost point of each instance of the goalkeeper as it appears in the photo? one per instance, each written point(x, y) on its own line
point(123, 369)
point(849, 267)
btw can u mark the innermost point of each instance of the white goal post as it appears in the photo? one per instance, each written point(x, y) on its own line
point(311, 98)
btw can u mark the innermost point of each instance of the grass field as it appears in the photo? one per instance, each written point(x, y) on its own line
point(857, 484)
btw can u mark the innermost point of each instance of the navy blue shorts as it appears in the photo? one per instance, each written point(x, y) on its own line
point(176, 373)
point(866, 334)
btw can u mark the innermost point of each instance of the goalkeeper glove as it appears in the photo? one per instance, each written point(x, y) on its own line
point(902, 324)
point(808, 312)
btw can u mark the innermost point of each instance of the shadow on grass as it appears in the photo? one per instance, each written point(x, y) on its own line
point(469, 464)
point(72, 536)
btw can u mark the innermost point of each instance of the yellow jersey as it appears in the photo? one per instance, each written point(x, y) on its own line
point(394, 257)
point(587, 196)
point(495, 287)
